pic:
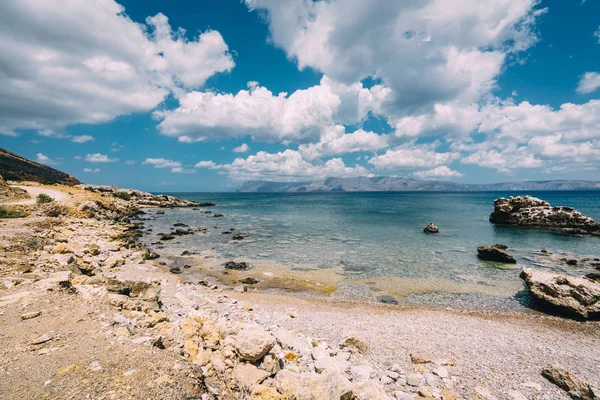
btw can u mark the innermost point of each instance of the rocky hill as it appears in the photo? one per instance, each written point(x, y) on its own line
point(16, 168)
point(8, 193)
point(399, 184)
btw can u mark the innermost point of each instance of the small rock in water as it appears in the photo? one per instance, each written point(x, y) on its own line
point(496, 252)
point(571, 262)
point(431, 228)
point(175, 270)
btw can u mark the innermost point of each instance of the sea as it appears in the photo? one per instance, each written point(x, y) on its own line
point(376, 239)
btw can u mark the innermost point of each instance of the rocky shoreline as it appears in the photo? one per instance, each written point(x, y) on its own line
point(209, 341)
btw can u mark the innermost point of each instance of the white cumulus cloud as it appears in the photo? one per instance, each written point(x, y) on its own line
point(68, 61)
point(90, 170)
point(99, 158)
point(43, 159)
point(82, 139)
point(438, 172)
point(243, 148)
point(590, 82)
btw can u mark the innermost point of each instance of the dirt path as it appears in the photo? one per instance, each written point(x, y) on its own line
point(34, 191)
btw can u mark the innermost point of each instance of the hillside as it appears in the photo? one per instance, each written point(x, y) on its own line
point(399, 184)
point(16, 168)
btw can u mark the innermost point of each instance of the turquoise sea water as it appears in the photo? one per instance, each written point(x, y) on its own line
point(379, 234)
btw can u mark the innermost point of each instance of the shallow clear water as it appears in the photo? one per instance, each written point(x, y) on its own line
point(377, 234)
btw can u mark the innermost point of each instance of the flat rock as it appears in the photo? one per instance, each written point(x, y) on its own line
point(496, 253)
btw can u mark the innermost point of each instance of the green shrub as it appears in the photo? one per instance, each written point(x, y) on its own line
point(123, 196)
point(6, 212)
point(43, 198)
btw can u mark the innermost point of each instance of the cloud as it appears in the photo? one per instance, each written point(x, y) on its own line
point(503, 160)
point(67, 62)
point(299, 117)
point(82, 139)
point(207, 164)
point(438, 172)
point(99, 158)
point(175, 166)
point(90, 170)
point(288, 166)
point(78, 157)
point(130, 162)
point(590, 82)
point(597, 34)
point(335, 141)
point(243, 148)
point(410, 157)
point(42, 159)
point(426, 52)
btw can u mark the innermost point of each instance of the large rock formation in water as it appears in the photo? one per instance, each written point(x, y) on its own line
point(16, 168)
point(575, 296)
point(532, 212)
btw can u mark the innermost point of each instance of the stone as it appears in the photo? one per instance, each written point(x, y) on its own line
point(414, 380)
point(252, 344)
point(31, 315)
point(355, 343)
point(113, 262)
point(57, 280)
point(441, 372)
point(125, 322)
point(260, 392)
point(532, 385)
point(362, 373)
point(527, 211)
point(61, 248)
point(570, 295)
point(568, 382)
point(431, 228)
point(309, 386)
point(496, 253)
point(247, 375)
point(238, 266)
point(42, 339)
point(249, 281)
point(399, 395)
point(386, 299)
point(484, 393)
point(426, 391)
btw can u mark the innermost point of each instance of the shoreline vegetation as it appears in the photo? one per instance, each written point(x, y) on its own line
point(87, 311)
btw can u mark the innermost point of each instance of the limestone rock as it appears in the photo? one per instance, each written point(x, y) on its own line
point(532, 212)
point(252, 343)
point(355, 343)
point(247, 375)
point(565, 380)
point(575, 296)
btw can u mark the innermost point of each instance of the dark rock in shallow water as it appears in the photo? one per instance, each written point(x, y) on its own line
point(238, 236)
point(175, 270)
point(571, 295)
point(571, 262)
point(387, 299)
point(181, 232)
point(217, 215)
point(249, 281)
point(187, 266)
point(496, 252)
point(180, 224)
point(167, 237)
point(431, 228)
point(238, 266)
point(529, 211)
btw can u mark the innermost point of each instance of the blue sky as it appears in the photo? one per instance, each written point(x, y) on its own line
point(117, 93)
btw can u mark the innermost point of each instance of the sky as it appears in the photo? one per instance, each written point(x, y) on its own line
point(203, 95)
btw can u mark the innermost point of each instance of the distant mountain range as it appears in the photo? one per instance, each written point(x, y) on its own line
point(397, 184)
point(13, 167)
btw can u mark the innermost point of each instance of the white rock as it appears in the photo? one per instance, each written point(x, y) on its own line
point(516, 395)
point(402, 395)
point(247, 375)
point(362, 373)
point(484, 393)
point(414, 379)
point(441, 372)
point(252, 343)
point(532, 385)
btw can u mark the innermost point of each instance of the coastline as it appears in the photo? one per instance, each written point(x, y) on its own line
point(495, 355)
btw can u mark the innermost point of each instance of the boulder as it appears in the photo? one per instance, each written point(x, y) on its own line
point(252, 343)
point(575, 296)
point(565, 380)
point(431, 228)
point(496, 252)
point(309, 386)
point(529, 211)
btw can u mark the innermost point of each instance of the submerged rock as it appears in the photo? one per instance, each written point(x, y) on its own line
point(529, 211)
point(575, 296)
point(431, 228)
point(496, 252)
